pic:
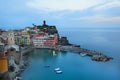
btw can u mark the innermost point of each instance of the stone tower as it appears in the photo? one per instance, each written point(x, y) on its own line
point(44, 23)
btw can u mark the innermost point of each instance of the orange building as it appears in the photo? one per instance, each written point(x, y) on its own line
point(3, 65)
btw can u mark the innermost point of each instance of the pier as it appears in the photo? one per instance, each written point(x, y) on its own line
point(95, 55)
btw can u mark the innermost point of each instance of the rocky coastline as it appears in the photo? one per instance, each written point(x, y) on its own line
point(21, 65)
point(95, 55)
point(64, 45)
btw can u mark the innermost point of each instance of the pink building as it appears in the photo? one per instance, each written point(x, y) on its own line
point(38, 40)
point(43, 40)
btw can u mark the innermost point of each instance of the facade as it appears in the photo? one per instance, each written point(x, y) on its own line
point(18, 39)
point(51, 41)
point(26, 38)
point(1, 49)
point(3, 65)
point(38, 40)
point(3, 38)
point(23, 38)
point(11, 39)
point(46, 36)
point(43, 40)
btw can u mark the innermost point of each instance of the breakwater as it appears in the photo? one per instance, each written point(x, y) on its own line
point(95, 55)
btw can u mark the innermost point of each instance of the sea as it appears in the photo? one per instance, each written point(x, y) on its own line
point(43, 62)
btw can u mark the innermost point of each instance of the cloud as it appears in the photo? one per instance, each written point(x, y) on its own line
point(59, 5)
point(108, 5)
point(99, 19)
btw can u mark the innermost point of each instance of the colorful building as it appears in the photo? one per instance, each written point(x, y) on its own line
point(39, 39)
point(45, 40)
point(3, 65)
point(23, 37)
point(47, 36)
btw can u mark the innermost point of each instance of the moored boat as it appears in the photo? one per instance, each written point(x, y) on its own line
point(57, 69)
point(59, 72)
point(18, 78)
point(83, 54)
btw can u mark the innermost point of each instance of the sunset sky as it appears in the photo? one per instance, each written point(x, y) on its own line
point(18, 14)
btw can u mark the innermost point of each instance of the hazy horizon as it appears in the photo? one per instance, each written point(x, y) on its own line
point(62, 13)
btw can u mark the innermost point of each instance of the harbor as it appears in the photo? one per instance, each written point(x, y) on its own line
point(47, 66)
point(16, 45)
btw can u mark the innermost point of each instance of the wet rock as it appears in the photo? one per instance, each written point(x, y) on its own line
point(95, 55)
point(63, 41)
point(101, 57)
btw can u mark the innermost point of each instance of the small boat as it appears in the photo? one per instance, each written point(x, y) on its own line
point(18, 78)
point(83, 54)
point(59, 72)
point(54, 53)
point(57, 69)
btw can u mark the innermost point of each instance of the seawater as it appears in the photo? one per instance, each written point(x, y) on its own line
point(74, 66)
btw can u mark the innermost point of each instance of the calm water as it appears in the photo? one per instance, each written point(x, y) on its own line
point(74, 66)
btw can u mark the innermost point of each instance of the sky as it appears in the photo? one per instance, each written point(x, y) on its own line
point(17, 14)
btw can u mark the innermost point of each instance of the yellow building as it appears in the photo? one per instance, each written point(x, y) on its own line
point(3, 65)
point(26, 37)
